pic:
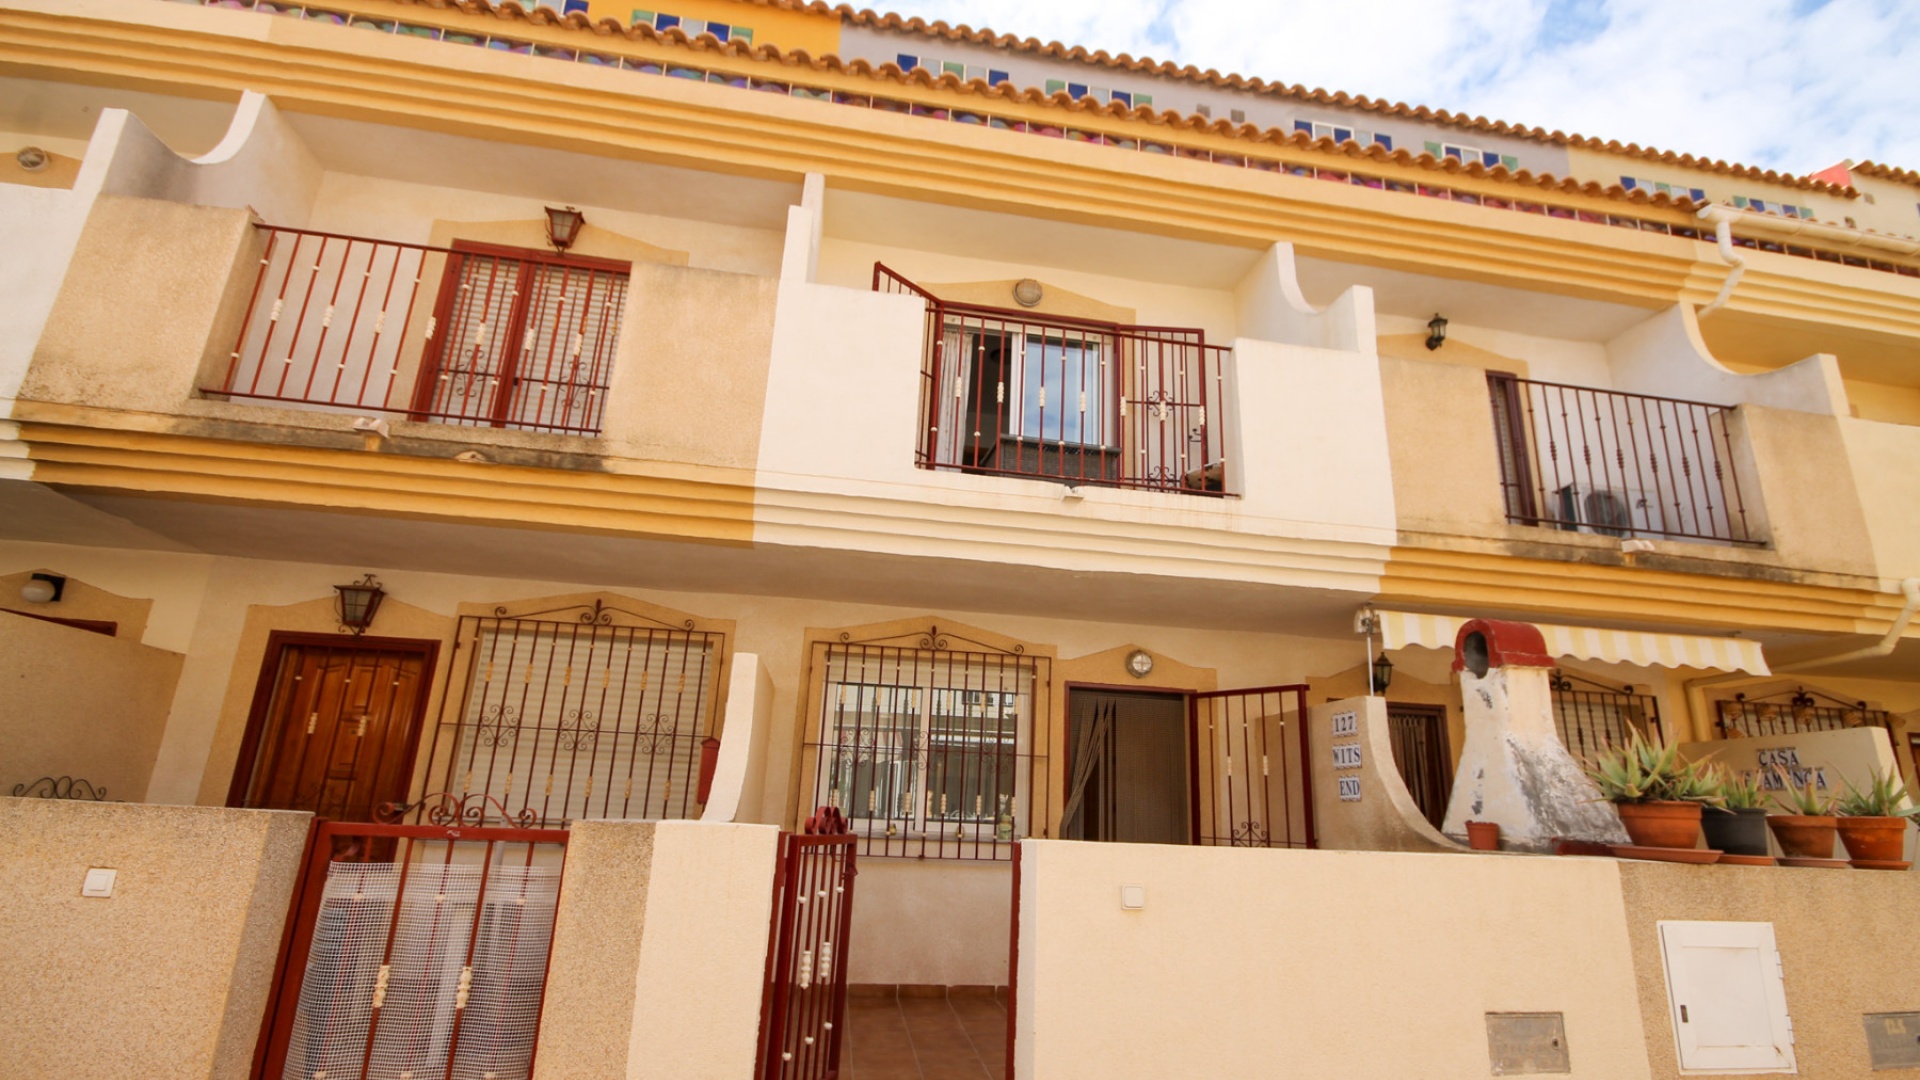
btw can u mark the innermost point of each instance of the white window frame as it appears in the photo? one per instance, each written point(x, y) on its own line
point(1101, 413)
point(1726, 970)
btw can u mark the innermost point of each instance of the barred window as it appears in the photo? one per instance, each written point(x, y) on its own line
point(929, 751)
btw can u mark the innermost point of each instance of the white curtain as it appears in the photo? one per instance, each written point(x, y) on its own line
point(950, 413)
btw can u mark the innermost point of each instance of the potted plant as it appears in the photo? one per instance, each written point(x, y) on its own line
point(1738, 825)
point(1873, 822)
point(1659, 795)
point(1806, 830)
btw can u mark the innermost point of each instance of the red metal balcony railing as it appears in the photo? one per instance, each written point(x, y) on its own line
point(514, 338)
point(1074, 400)
point(1617, 464)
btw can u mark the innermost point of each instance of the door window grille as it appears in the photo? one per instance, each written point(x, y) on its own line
point(1590, 715)
point(931, 746)
point(588, 715)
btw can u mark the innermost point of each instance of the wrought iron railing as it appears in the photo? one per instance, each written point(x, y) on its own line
point(1014, 393)
point(1801, 710)
point(504, 338)
point(1590, 715)
point(1250, 779)
point(1600, 461)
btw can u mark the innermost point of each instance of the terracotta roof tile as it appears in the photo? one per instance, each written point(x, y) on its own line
point(1127, 62)
point(543, 16)
point(1887, 172)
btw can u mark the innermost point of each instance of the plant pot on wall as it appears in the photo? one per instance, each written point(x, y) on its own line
point(1804, 836)
point(1741, 831)
point(1483, 835)
point(1661, 824)
point(1874, 840)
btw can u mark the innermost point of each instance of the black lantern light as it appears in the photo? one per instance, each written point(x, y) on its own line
point(358, 603)
point(563, 226)
point(1382, 673)
point(1436, 328)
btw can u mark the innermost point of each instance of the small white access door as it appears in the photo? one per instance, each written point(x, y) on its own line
point(1727, 996)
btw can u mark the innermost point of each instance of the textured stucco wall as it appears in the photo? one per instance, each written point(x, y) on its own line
point(1446, 472)
point(659, 947)
point(933, 922)
point(1314, 964)
point(1846, 945)
point(76, 703)
point(167, 978)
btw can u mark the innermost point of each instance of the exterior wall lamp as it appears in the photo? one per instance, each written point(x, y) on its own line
point(43, 589)
point(1382, 675)
point(1436, 328)
point(563, 226)
point(358, 602)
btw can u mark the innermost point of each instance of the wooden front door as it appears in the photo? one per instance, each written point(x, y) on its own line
point(1419, 738)
point(335, 725)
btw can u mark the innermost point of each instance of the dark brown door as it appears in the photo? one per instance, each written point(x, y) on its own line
point(335, 724)
point(1128, 767)
point(1419, 736)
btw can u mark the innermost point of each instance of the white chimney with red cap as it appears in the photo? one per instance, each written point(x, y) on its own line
point(1514, 770)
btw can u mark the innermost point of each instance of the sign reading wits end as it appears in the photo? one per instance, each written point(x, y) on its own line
point(1346, 755)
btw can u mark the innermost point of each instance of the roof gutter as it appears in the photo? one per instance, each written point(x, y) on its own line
point(1909, 589)
point(1723, 235)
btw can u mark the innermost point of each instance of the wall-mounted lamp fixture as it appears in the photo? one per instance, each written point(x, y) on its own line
point(358, 603)
point(1027, 292)
point(563, 226)
point(1436, 329)
point(1382, 674)
point(32, 158)
point(43, 589)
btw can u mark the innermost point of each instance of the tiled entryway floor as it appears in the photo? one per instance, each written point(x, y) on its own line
point(962, 1037)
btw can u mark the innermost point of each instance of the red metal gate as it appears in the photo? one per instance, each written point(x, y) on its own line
point(415, 951)
point(1251, 778)
point(804, 1005)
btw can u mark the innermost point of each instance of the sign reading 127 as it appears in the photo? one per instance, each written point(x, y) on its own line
point(1345, 723)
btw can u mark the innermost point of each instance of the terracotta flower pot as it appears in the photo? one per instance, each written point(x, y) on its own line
point(1803, 836)
point(1483, 835)
point(1661, 824)
point(1736, 832)
point(1874, 839)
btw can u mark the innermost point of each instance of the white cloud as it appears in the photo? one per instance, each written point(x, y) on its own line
point(1786, 84)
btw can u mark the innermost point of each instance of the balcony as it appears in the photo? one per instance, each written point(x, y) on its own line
point(1622, 465)
point(1077, 401)
point(473, 335)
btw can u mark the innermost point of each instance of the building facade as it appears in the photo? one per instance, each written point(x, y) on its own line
point(990, 440)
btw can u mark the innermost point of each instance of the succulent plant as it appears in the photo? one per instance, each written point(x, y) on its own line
point(1640, 771)
point(1738, 790)
point(1880, 798)
point(1805, 799)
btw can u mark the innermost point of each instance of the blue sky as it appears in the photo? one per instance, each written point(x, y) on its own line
point(1795, 85)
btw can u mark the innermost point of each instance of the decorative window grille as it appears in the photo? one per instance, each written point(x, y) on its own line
point(593, 714)
point(1590, 715)
point(1802, 710)
point(523, 343)
point(932, 745)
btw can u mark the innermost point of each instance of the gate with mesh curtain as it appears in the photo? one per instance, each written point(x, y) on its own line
point(415, 951)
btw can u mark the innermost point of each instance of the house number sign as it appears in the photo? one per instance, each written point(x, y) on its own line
point(1345, 723)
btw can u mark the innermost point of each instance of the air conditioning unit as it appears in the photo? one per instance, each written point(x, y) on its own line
point(1608, 511)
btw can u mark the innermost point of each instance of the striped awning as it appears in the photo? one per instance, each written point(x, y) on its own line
point(1403, 628)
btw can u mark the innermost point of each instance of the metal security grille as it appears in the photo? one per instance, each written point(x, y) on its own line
point(932, 745)
point(579, 712)
point(803, 1005)
point(1802, 710)
point(1590, 715)
point(418, 951)
point(1251, 781)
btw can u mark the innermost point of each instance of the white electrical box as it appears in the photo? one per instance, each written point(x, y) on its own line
point(1727, 997)
point(1133, 897)
point(98, 882)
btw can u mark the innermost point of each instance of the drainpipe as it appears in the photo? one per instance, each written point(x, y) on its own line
point(1723, 235)
point(1909, 589)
